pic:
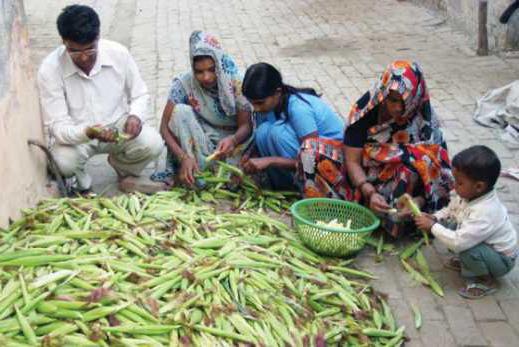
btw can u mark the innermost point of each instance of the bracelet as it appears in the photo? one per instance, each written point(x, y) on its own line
point(371, 194)
point(359, 187)
point(234, 140)
point(183, 156)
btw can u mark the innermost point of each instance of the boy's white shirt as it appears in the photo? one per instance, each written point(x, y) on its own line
point(482, 220)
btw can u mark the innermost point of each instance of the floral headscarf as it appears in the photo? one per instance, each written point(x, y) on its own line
point(407, 79)
point(227, 74)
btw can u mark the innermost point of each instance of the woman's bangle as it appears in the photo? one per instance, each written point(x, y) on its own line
point(367, 196)
point(359, 185)
point(362, 184)
point(183, 156)
point(234, 140)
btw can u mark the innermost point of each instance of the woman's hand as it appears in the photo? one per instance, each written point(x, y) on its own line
point(226, 146)
point(255, 165)
point(188, 168)
point(378, 203)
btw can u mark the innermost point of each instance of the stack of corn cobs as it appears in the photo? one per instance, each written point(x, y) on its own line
point(156, 270)
point(244, 193)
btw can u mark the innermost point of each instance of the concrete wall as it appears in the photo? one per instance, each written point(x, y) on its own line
point(22, 169)
point(464, 14)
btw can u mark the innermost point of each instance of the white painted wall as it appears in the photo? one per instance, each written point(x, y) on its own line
point(22, 169)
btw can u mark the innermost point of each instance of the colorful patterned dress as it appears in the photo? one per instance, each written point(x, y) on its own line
point(397, 158)
point(203, 117)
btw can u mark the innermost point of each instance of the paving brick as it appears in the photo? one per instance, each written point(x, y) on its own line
point(384, 283)
point(486, 309)
point(463, 326)
point(506, 290)
point(404, 316)
point(433, 259)
point(430, 309)
point(450, 135)
point(437, 333)
point(451, 282)
point(514, 276)
point(414, 342)
point(511, 310)
point(442, 249)
point(500, 333)
point(499, 148)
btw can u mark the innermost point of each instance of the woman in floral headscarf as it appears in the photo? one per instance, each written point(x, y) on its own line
point(205, 111)
point(394, 145)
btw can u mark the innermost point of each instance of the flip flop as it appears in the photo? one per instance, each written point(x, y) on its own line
point(483, 291)
point(162, 176)
point(454, 264)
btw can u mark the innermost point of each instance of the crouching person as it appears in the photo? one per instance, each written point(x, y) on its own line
point(94, 101)
point(475, 224)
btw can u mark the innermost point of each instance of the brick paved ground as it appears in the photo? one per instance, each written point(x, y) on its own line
point(338, 47)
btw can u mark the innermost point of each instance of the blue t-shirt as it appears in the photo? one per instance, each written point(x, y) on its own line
point(309, 116)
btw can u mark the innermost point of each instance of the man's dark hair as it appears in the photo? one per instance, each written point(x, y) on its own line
point(478, 163)
point(79, 24)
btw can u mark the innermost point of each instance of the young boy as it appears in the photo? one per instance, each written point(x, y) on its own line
point(482, 236)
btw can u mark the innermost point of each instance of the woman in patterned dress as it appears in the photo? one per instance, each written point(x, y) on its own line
point(205, 111)
point(394, 145)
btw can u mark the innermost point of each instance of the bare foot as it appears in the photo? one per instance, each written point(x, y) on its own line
point(131, 184)
point(454, 264)
point(120, 175)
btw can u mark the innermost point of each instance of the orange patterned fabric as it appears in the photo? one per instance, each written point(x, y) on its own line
point(321, 168)
point(410, 157)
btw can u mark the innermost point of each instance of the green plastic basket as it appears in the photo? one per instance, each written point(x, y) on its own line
point(333, 241)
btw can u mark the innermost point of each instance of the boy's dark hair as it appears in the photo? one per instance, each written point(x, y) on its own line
point(79, 24)
point(479, 163)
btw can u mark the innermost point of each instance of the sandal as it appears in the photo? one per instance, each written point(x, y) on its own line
point(165, 176)
point(476, 291)
point(454, 264)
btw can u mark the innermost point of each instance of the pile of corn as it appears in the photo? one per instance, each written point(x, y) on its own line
point(228, 182)
point(156, 271)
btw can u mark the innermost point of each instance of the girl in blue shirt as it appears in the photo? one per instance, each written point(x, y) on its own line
point(285, 117)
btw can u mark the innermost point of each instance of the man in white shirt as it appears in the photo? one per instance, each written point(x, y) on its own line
point(91, 92)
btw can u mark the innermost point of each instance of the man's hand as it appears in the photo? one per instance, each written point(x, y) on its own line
point(424, 222)
point(378, 203)
point(100, 133)
point(188, 168)
point(133, 126)
point(226, 146)
point(255, 165)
